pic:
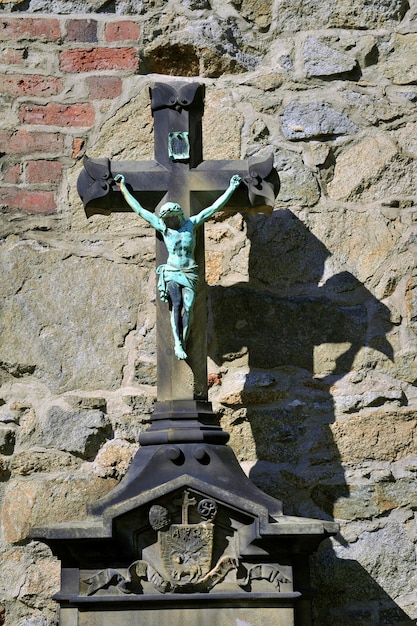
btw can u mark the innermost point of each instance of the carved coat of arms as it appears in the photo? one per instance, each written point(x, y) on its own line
point(186, 554)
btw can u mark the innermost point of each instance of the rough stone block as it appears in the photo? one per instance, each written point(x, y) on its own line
point(257, 11)
point(7, 440)
point(26, 462)
point(79, 432)
point(49, 321)
point(87, 402)
point(295, 16)
point(176, 59)
point(399, 66)
point(359, 164)
point(323, 60)
point(249, 318)
point(114, 459)
point(379, 436)
point(314, 120)
point(36, 501)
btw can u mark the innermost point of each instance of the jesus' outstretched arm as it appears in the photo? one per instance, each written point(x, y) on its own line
point(152, 219)
point(219, 203)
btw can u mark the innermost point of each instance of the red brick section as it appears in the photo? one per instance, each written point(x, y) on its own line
point(25, 200)
point(78, 144)
point(44, 172)
point(12, 175)
point(13, 56)
point(57, 114)
point(29, 85)
point(101, 87)
point(81, 30)
point(26, 142)
point(94, 59)
point(16, 28)
point(214, 379)
point(121, 31)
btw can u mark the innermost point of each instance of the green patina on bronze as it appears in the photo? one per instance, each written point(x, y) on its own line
point(178, 277)
point(178, 146)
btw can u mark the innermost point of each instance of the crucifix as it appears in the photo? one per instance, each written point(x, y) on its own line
point(179, 183)
point(131, 561)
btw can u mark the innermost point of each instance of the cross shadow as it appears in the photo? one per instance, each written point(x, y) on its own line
point(300, 334)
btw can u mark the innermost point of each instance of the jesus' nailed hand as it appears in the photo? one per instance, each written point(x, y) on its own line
point(178, 277)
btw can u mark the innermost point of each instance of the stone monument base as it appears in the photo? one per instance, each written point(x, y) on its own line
point(176, 616)
point(185, 538)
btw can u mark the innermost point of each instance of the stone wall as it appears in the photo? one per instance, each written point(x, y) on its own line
point(313, 312)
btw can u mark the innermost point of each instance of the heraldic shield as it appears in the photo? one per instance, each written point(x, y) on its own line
point(186, 551)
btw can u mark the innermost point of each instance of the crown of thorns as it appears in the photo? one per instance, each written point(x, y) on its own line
point(170, 208)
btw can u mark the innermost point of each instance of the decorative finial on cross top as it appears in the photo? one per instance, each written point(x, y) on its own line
point(184, 191)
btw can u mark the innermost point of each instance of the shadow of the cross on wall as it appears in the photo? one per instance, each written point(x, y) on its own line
point(299, 334)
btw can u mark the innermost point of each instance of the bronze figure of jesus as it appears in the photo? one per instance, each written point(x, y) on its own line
point(178, 277)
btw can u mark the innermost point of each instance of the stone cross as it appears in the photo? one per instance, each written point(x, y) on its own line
point(179, 174)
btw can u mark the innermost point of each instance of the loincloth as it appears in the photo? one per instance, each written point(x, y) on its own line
point(186, 277)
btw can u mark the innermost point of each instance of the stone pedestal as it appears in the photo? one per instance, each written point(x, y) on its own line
point(185, 538)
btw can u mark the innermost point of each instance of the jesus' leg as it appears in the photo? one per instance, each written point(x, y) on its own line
point(175, 294)
point(188, 297)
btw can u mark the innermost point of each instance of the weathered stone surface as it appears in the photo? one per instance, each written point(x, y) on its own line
point(360, 391)
point(355, 167)
point(252, 387)
point(132, 416)
point(399, 66)
point(48, 321)
point(380, 436)
point(4, 467)
point(7, 440)
point(221, 132)
point(33, 571)
point(407, 139)
point(79, 432)
point(371, 562)
point(256, 11)
point(340, 14)
point(279, 331)
point(87, 402)
point(113, 459)
point(299, 184)
point(48, 499)
point(172, 59)
point(313, 121)
point(33, 461)
point(127, 135)
point(373, 552)
point(323, 60)
point(229, 46)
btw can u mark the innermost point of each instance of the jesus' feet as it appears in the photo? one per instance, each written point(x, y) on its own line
point(180, 352)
